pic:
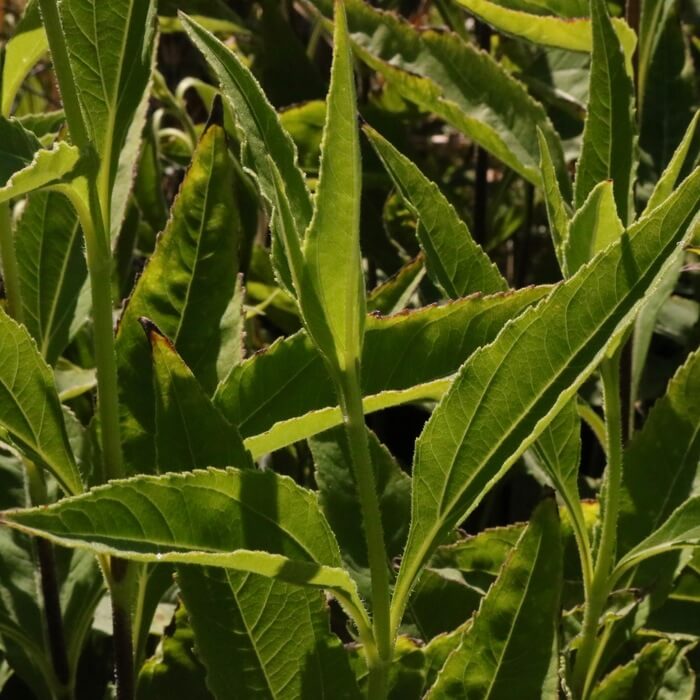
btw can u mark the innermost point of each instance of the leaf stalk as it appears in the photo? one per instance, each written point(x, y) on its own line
point(585, 665)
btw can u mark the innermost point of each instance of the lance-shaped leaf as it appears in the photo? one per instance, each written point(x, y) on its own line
point(557, 208)
point(661, 461)
point(52, 270)
point(246, 520)
point(332, 294)
point(394, 294)
point(22, 615)
point(27, 45)
point(263, 638)
point(175, 669)
point(109, 46)
point(660, 669)
point(446, 76)
point(686, 154)
point(25, 165)
point(188, 290)
point(502, 400)
point(403, 351)
point(497, 650)
point(680, 530)
point(574, 34)
point(559, 453)
point(593, 227)
point(339, 500)
point(30, 410)
point(190, 431)
point(609, 136)
point(454, 260)
point(266, 148)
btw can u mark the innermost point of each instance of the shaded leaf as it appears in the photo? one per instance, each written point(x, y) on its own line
point(26, 46)
point(264, 638)
point(682, 528)
point(52, 270)
point(175, 668)
point(332, 293)
point(548, 30)
point(30, 410)
point(660, 670)
point(453, 259)
point(266, 148)
point(189, 290)
point(339, 500)
point(497, 649)
point(609, 137)
point(670, 438)
point(265, 524)
point(593, 227)
point(25, 165)
point(190, 431)
point(450, 78)
point(110, 50)
point(502, 400)
point(289, 379)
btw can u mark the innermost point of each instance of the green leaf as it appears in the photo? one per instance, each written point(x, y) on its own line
point(22, 52)
point(609, 136)
point(332, 293)
point(264, 638)
point(557, 208)
point(681, 529)
point(266, 148)
point(670, 436)
point(667, 90)
point(22, 626)
point(659, 670)
point(30, 410)
point(593, 227)
point(110, 53)
point(289, 379)
point(679, 162)
point(452, 79)
point(501, 401)
point(265, 524)
point(549, 30)
point(454, 260)
point(559, 452)
point(25, 165)
point(338, 499)
point(188, 290)
point(174, 670)
point(190, 431)
point(52, 270)
point(394, 294)
point(497, 650)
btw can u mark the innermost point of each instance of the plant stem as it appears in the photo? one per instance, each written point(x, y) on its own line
point(356, 431)
point(584, 668)
point(10, 267)
point(100, 263)
point(121, 590)
point(48, 579)
point(483, 35)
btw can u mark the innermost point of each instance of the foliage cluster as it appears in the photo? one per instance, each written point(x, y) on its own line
point(251, 252)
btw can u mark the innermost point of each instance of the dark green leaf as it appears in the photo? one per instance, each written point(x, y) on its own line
point(454, 260)
point(609, 137)
point(523, 604)
point(189, 290)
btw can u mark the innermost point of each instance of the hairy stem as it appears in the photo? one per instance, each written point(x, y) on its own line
point(48, 579)
point(10, 267)
point(356, 432)
point(584, 668)
point(121, 589)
